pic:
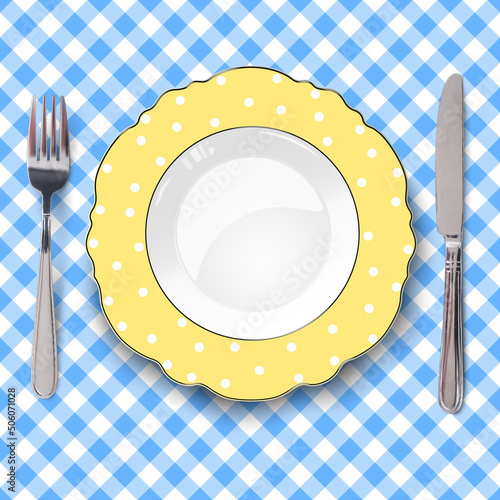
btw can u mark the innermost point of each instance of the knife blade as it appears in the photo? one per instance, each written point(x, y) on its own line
point(450, 159)
point(449, 215)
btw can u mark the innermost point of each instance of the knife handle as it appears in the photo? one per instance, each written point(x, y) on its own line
point(451, 372)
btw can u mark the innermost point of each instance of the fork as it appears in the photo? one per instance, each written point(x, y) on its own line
point(47, 174)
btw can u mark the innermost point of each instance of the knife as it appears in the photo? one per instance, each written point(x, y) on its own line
point(449, 214)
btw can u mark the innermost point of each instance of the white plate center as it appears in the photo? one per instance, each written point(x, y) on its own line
point(252, 233)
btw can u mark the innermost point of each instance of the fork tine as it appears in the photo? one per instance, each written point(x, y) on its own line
point(32, 131)
point(43, 136)
point(64, 138)
point(53, 142)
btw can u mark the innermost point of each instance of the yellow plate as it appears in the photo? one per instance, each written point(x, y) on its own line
point(141, 314)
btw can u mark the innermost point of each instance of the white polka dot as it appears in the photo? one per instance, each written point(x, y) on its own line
point(214, 122)
point(176, 126)
point(276, 78)
point(138, 247)
point(372, 338)
point(373, 271)
point(235, 347)
point(152, 338)
point(408, 249)
point(182, 322)
point(145, 119)
point(334, 361)
point(191, 377)
point(108, 301)
point(332, 329)
point(315, 93)
point(167, 364)
point(160, 161)
point(291, 347)
point(395, 202)
point(259, 370)
point(359, 129)
point(361, 182)
point(368, 236)
point(372, 153)
point(298, 378)
point(369, 308)
point(117, 265)
point(130, 212)
point(281, 109)
point(396, 287)
point(99, 210)
point(327, 141)
point(134, 187)
point(198, 347)
point(225, 383)
point(122, 326)
point(143, 292)
point(319, 116)
point(93, 243)
point(141, 140)
point(397, 172)
point(106, 168)
point(180, 100)
point(248, 102)
point(221, 80)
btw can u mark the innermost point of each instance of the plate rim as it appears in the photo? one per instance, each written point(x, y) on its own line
point(409, 258)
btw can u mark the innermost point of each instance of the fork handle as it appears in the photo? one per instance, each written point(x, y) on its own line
point(451, 372)
point(44, 360)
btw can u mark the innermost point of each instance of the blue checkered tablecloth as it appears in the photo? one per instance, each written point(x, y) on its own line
point(118, 428)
